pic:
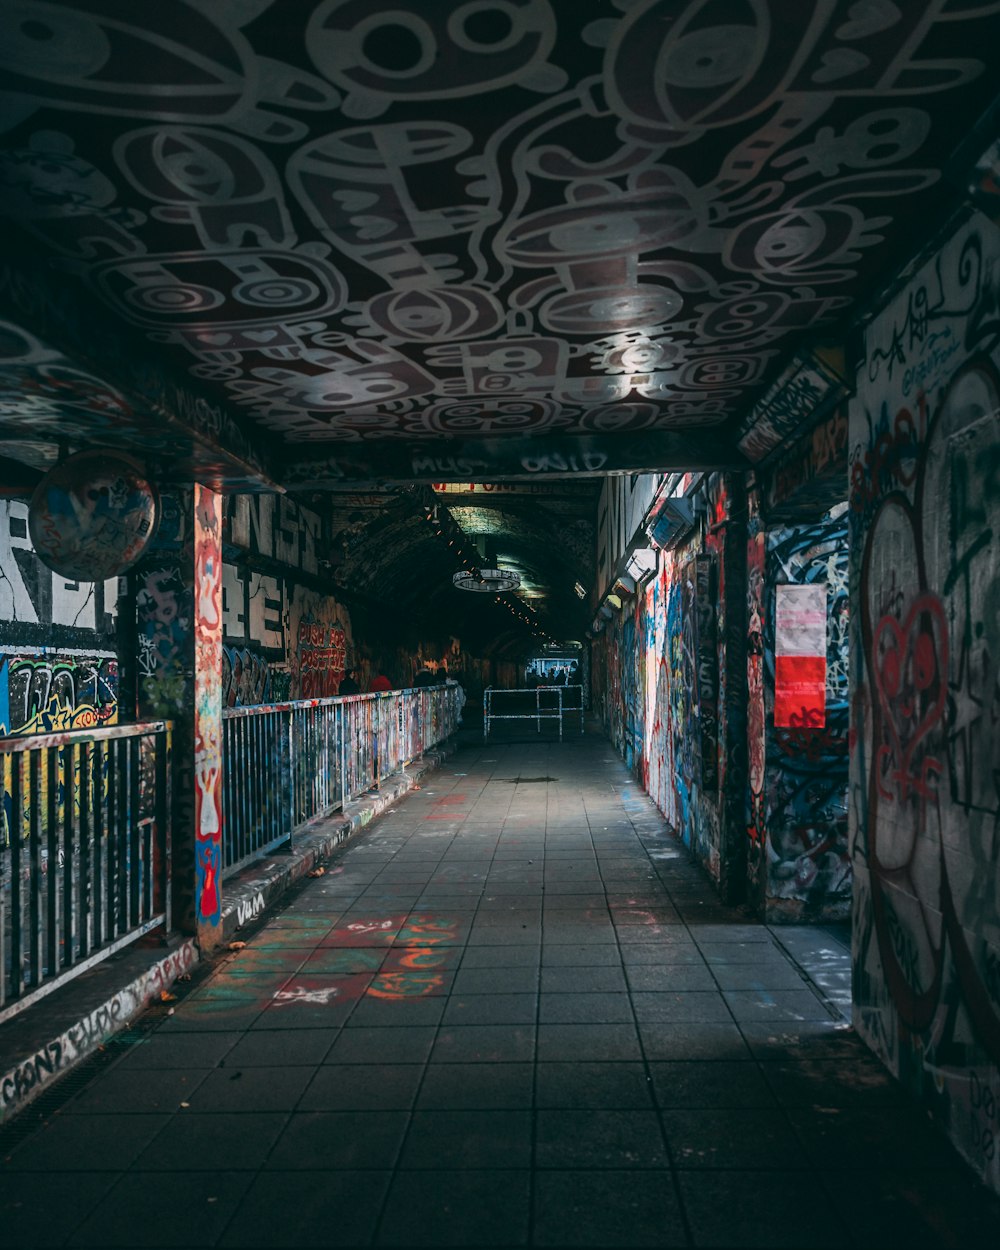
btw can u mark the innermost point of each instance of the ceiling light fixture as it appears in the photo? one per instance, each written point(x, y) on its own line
point(486, 581)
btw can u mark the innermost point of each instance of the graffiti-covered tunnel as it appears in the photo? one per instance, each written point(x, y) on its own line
point(499, 657)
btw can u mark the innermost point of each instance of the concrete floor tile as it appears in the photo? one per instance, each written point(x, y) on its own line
point(685, 1007)
point(233, 1088)
point(586, 1008)
point(132, 1090)
point(396, 1013)
point(577, 979)
point(607, 1208)
point(242, 1138)
point(766, 975)
point(718, 1084)
point(485, 1043)
point(210, 1199)
point(456, 1208)
point(86, 1143)
point(363, 1087)
point(697, 1041)
point(491, 1009)
point(321, 1141)
point(474, 957)
point(573, 1086)
point(747, 1210)
point(406, 1044)
point(763, 1006)
point(476, 1086)
point(176, 1050)
point(734, 1138)
point(468, 1139)
point(338, 1207)
point(42, 1209)
point(499, 980)
point(566, 1042)
point(670, 977)
point(599, 1138)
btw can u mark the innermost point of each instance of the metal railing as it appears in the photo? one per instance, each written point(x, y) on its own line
point(287, 764)
point(550, 703)
point(84, 851)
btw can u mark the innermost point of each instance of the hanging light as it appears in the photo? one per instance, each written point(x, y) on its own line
point(486, 581)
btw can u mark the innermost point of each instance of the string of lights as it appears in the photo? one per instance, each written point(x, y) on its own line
point(522, 612)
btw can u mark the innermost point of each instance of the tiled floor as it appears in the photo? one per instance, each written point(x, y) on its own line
point(512, 1012)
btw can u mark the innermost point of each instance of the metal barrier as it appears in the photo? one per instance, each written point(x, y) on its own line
point(287, 764)
point(556, 709)
point(84, 851)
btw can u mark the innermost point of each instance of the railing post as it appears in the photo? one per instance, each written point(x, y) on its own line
point(288, 751)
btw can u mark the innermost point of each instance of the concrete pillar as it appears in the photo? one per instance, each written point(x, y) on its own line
point(179, 636)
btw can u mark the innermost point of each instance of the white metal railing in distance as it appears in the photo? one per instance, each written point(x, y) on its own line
point(550, 703)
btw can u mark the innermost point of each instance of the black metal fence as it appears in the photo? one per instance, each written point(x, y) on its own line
point(286, 764)
point(84, 851)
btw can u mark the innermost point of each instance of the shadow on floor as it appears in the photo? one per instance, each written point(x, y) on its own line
point(509, 1013)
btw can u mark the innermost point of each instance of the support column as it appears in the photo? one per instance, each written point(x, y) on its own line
point(179, 635)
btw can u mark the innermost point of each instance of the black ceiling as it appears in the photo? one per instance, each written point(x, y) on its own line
point(424, 240)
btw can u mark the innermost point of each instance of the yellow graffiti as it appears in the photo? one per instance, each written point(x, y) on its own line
point(35, 787)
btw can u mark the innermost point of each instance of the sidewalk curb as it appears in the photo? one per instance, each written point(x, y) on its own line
point(64, 1029)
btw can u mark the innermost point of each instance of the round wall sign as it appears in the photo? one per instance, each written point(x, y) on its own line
point(92, 515)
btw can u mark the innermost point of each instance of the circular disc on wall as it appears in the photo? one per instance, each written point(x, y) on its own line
point(92, 516)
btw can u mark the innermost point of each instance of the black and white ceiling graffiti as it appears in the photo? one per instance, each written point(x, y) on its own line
point(362, 222)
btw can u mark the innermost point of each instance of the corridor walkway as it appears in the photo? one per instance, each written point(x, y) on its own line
point(512, 1012)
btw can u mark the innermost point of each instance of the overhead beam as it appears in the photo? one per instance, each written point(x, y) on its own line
point(71, 373)
point(512, 458)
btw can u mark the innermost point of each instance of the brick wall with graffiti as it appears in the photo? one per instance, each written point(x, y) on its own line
point(925, 638)
point(797, 730)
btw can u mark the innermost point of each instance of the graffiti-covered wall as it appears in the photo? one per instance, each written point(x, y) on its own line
point(285, 635)
point(659, 682)
point(925, 638)
point(58, 644)
point(797, 719)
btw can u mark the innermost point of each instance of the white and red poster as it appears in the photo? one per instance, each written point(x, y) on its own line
point(800, 657)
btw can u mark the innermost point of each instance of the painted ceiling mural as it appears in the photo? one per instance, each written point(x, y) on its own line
point(357, 222)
